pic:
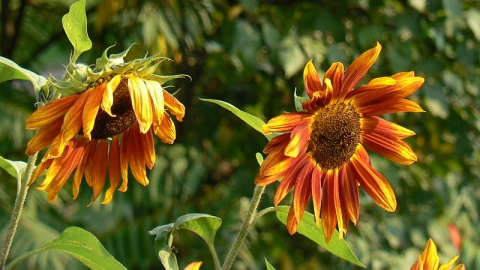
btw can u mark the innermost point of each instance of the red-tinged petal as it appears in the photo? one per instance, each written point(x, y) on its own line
point(394, 150)
point(286, 122)
point(292, 222)
point(156, 95)
point(279, 141)
point(358, 69)
point(329, 216)
point(311, 79)
point(136, 161)
point(318, 177)
point(124, 159)
point(290, 179)
point(39, 170)
point(44, 137)
point(114, 169)
point(377, 92)
point(73, 119)
point(377, 125)
point(174, 106)
point(337, 199)
point(165, 130)
point(349, 193)
point(298, 139)
point(319, 99)
point(55, 167)
point(336, 75)
point(90, 110)
point(96, 169)
point(66, 170)
point(141, 102)
point(418, 265)
point(362, 154)
point(148, 148)
point(302, 191)
point(50, 112)
point(392, 106)
point(374, 184)
point(77, 178)
point(107, 100)
point(273, 168)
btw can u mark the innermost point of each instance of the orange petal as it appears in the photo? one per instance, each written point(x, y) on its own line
point(286, 122)
point(107, 99)
point(136, 160)
point(141, 102)
point(174, 106)
point(166, 130)
point(96, 169)
point(349, 194)
point(39, 170)
point(317, 184)
point(77, 178)
point(329, 216)
point(148, 148)
point(90, 110)
point(290, 179)
point(336, 74)
point(311, 79)
point(292, 222)
point(449, 264)
point(73, 119)
point(124, 159)
point(273, 167)
point(339, 212)
point(394, 150)
point(279, 141)
point(56, 149)
point(374, 124)
point(55, 167)
point(114, 169)
point(44, 137)
point(391, 106)
point(429, 257)
point(376, 186)
point(50, 112)
point(193, 266)
point(302, 191)
point(156, 95)
point(298, 140)
point(359, 68)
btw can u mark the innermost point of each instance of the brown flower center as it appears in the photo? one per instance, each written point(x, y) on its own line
point(106, 126)
point(335, 135)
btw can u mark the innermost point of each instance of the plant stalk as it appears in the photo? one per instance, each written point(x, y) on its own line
point(246, 226)
point(17, 211)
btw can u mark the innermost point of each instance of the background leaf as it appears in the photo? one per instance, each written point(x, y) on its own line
point(9, 70)
point(14, 168)
point(309, 228)
point(203, 225)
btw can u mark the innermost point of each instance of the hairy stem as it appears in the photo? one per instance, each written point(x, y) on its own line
point(17, 211)
point(246, 226)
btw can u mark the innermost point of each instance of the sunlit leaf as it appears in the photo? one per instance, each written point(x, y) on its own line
point(203, 225)
point(82, 245)
point(308, 228)
point(9, 70)
point(75, 26)
point(14, 168)
point(269, 266)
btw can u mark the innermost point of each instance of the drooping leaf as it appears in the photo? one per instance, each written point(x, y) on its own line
point(251, 120)
point(14, 168)
point(203, 225)
point(161, 231)
point(81, 244)
point(269, 266)
point(308, 228)
point(75, 26)
point(9, 70)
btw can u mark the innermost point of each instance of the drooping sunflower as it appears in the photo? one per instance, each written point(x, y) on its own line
point(103, 124)
point(429, 260)
point(320, 151)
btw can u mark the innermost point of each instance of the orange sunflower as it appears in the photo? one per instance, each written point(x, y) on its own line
point(428, 260)
point(321, 150)
point(104, 125)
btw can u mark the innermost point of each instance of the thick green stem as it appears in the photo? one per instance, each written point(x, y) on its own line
point(246, 226)
point(17, 210)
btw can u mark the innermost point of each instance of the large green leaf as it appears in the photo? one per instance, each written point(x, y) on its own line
point(203, 225)
point(14, 168)
point(75, 26)
point(82, 245)
point(251, 120)
point(309, 228)
point(9, 70)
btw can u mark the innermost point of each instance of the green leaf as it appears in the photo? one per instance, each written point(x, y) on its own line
point(473, 21)
point(251, 120)
point(309, 228)
point(9, 70)
point(161, 232)
point(75, 26)
point(82, 245)
point(14, 168)
point(269, 266)
point(168, 258)
point(203, 225)
point(259, 158)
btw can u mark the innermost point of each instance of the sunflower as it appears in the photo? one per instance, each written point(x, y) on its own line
point(104, 123)
point(428, 260)
point(321, 149)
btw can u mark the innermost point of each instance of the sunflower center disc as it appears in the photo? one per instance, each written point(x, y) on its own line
point(106, 126)
point(335, 135)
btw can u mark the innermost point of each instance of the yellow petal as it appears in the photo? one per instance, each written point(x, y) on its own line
point(107, 100)
point(90, 109)
point(141, 102)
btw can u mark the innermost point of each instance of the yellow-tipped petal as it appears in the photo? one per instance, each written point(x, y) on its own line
point(107, 100)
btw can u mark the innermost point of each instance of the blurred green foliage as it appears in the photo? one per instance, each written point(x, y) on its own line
point(251, 53)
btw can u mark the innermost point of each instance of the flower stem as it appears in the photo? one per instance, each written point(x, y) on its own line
point(17, 210)
point(246, 226)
